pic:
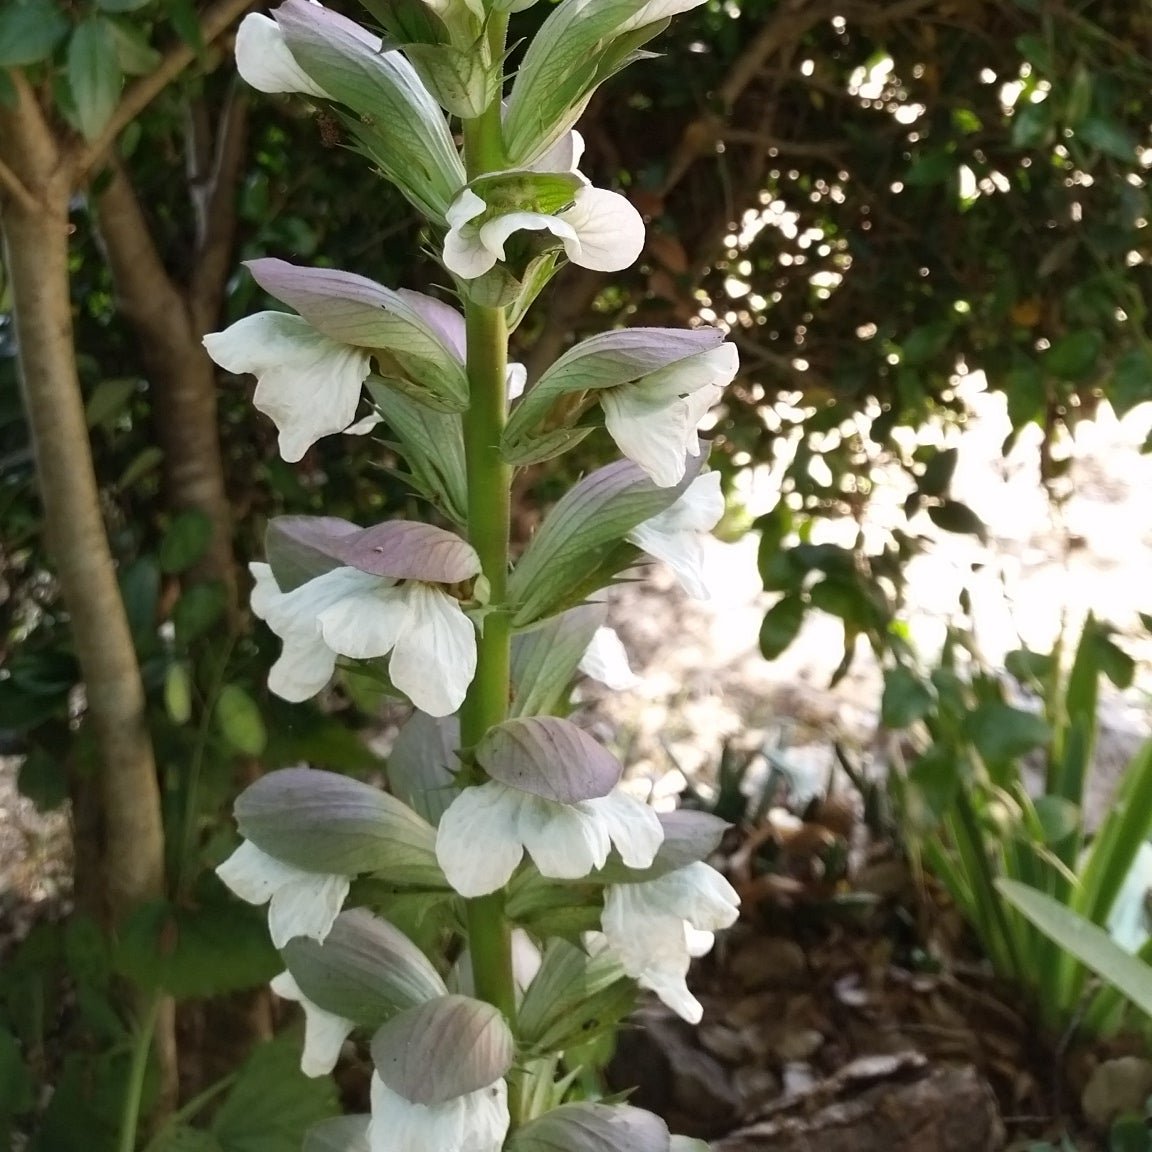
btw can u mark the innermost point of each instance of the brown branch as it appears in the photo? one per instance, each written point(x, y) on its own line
point(217, 20)
point(216, 214)
point(16, 189)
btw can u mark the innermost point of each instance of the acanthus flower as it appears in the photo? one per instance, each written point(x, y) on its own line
point(676, 534)
point(486, 830)
point(324, 1031)
point(597, 228)
point(655, 927)
point(654, 420)
point(474, 1122)
point(301, 903)
point(388, 596)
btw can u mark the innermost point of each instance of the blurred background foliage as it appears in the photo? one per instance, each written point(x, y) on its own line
point(872, 198)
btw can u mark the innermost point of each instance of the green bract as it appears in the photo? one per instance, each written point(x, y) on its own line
point(398, 123)
point(579, 547)
point(365, 971)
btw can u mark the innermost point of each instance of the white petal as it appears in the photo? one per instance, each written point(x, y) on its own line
point(610, 230)
point(606, 659)
point(477, 842)
point(306, 906)
point(657, 10)
point(634, 827)
point(516, 380)
point(364, 425)
point(651, 945)
point(365, 625)
point(465, 254)
point(307, 661)
point(674, 535)
point(696, 893)
point(495, 233)
point(324, 1031)
point(263, 59)
point(265, 592)
point(563, 156)
point(435, 655)
point(699, 943)
point(254, 875)
point(655, 434)
point(466, 207)
point(307, 384)
point(475, 1122)
point(566, 841)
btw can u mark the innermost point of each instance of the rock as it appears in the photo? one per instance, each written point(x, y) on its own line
point(940, 1109)
point(799, 1044)
point(1120, 1085)
point(769, 961)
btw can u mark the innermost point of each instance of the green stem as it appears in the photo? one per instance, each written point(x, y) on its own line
point(134, 1089)
point(489, 514)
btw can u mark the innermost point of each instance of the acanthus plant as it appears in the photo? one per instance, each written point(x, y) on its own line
point(502, 813)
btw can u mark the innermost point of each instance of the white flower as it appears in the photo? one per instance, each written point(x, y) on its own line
point(474, 1122)
point(307, 383)
point(655, 927)
point(599, 230)
point(302, 903)
point(484, 833)
point(605, 659)
point(676, 534)
point(324, 1031)
point(351, 613)
point(264, 61)
point(654, 420)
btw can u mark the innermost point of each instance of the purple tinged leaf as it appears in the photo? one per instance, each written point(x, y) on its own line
point(442, 318)
point(588, 1127)
point(587, 524)
point(549, 757)
point(366, 970)
point(323, 822)
point(545, 658)
point(409, 550)
point(299, 548)
point(324, 22)
point(357, 311)
point(307, 546)
point(443, 1049)
point(423, 763)
point(605, 361)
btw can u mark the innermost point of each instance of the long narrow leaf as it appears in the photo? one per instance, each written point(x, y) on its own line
point(1084, 940)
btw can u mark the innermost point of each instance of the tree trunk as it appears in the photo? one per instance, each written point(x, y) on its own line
point(36, 253)
point(181, 375)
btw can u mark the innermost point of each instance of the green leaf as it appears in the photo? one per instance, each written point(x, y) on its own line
point(781, 626)
point(17, 1091)
point(140, 466)
point(140, 590)
point(185, 542)
point(906, 698)
point(1001, 732)
point(238, 718)
point(1091, 945)
point(94, 74)
point(1031, 125)
point(121, 5)
point(924, 344)
point(933, 782)
point(953, 516)
point(1131, 380)
point(178, 693)
point(1027, 395)
point(182, 1138)
point(43, 778)
point(29, 32)
point(272, 1103)
point(545, 659)
point(186, 21)
point(108, 399)
point(1108, 137)
point(198, 609)
point(1074, 356)
point(938, 473)
point(137, 57)
point(215, 947)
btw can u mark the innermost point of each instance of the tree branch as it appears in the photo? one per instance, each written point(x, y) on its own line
point(215, 21)
point(216, 215)
point(12, 183)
